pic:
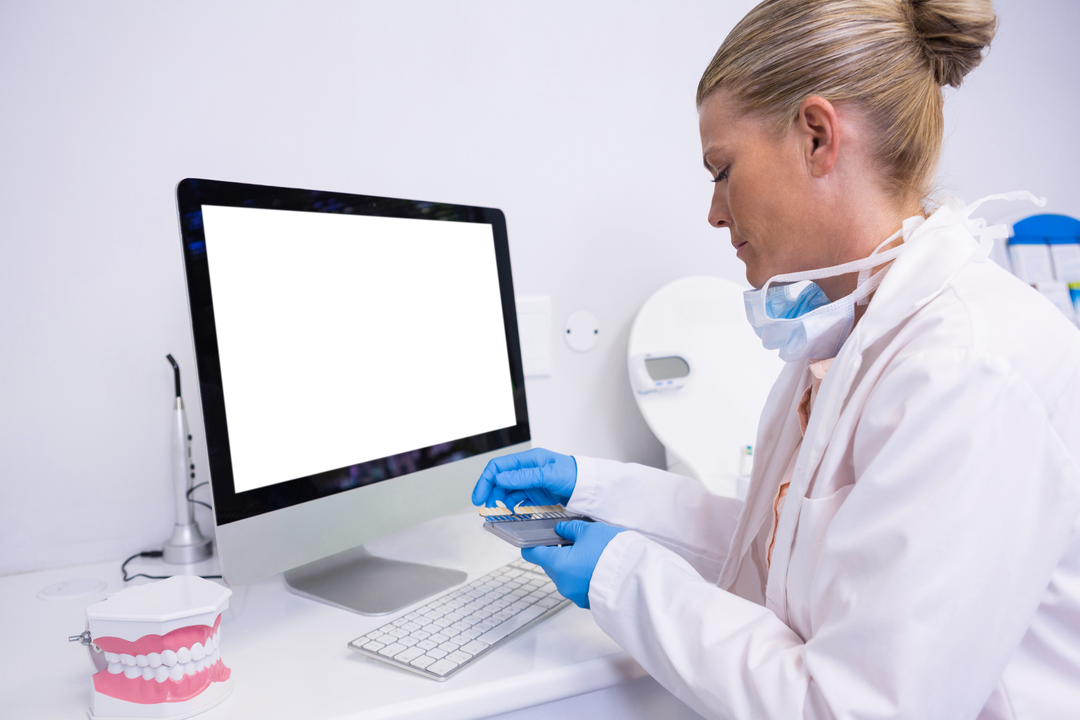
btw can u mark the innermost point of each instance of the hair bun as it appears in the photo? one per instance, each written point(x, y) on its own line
point(953, 34)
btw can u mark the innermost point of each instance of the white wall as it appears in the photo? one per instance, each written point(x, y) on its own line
point(576, 118)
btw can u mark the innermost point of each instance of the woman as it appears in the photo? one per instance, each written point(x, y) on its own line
point(910, 546)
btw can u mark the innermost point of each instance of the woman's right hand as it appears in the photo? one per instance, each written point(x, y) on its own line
point(532, 477)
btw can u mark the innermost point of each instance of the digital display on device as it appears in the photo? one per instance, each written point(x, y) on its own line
point(345, 338)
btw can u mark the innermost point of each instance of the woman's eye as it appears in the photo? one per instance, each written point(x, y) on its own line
point(722, 175)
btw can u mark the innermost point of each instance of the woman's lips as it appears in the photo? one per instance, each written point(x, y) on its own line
point(738, 245)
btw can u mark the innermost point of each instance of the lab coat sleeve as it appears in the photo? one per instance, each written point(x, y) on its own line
point(675, 511)
point(928, 574)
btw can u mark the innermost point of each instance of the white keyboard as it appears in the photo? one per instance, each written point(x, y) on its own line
point(457, 628)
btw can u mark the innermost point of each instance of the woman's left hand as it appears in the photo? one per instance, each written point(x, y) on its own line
point(571, 567)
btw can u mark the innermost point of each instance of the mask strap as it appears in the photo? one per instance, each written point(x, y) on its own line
point(987, 234)
point(867, 263)
point(1010, 196)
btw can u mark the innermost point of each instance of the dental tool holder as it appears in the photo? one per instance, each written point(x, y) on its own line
point(156, 649)
point(187, 544)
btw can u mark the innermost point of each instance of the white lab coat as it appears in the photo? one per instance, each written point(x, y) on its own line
point(927, 557)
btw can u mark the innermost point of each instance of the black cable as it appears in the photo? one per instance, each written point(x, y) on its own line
point(198, 502)
point(154, 554)
point(149, 553)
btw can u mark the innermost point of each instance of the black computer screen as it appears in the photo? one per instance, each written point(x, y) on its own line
point(342, 340)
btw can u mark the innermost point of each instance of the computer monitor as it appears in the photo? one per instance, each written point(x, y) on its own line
point(358, 365)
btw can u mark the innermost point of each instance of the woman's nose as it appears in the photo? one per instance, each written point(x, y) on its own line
point(718, 210)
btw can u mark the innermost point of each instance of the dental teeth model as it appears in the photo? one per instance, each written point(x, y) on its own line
point(158, 649)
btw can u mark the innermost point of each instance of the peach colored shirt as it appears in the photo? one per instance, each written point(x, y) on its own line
point(818, 368)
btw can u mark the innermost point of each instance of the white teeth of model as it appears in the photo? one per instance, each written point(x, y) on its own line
point(131, 672)
point(168, 657)
point(148, 673)
point(183, 655)
point(153, 659)
point(141, 661)
point(189, 668)
point(217, 638)
point(200, 665)
point(198, 652)
point(112, 657)
point(128, 660)
point(116, 668)
point(176, 672)
point(161, 674)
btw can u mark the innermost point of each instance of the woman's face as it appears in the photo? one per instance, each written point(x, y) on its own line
point(763, 192)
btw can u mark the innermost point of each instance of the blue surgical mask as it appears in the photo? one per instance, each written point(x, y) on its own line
point(791, 301)
point(800, 321)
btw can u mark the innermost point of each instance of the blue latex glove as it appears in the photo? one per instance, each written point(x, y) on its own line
point(534, 477)
point(571, 567)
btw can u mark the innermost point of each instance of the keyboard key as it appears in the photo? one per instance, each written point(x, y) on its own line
point(449, 647)
point(422, 662)
point(426, 645)
point(459, 657)
point(439, 638)
point(436, 653)
point(392, 650)
point(442, 667)
point(377, 646)
point(472, 633)
point(548, 602)
point(399, 633)
point(475, 647)
point(410, 626)
point(408, 641)
point(408, 655)
point(503, 629)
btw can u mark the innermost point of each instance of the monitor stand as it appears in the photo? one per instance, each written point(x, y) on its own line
point(358, 581)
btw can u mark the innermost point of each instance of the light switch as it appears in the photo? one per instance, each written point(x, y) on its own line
point(534, 333)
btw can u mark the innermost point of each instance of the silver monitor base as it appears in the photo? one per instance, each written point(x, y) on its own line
point(360, 582)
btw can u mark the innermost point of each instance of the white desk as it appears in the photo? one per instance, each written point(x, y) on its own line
point(289, 658)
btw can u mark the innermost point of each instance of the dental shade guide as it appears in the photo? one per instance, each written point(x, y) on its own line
point(187, 544)
point(527, 525)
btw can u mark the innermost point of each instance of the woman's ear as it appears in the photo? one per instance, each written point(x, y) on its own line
point(818, 129)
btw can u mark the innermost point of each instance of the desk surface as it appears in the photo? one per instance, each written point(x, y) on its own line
point(288, 654)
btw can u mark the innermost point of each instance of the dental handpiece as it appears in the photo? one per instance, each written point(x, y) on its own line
point(187, 544)
point(183, 468)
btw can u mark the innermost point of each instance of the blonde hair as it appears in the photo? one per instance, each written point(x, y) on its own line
point(886, 58)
